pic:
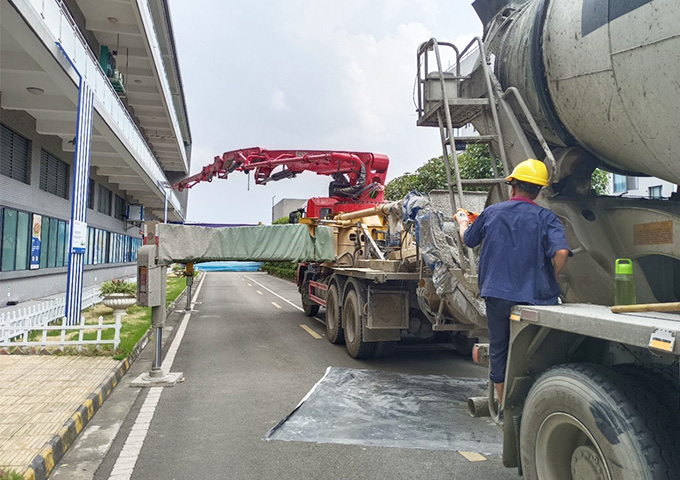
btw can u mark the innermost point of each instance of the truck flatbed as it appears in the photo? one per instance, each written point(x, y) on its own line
point(378, 276)
point(654, 330)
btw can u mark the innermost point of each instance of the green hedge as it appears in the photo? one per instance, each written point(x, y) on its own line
point(285, 270)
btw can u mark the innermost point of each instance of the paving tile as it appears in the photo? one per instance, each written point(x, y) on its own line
point(38, 395)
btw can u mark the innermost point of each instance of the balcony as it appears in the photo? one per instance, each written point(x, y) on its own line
point(33, 35)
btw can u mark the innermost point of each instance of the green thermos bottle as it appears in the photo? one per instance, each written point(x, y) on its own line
point(624, 284)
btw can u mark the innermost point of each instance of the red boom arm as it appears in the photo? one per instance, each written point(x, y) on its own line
point(357, 175)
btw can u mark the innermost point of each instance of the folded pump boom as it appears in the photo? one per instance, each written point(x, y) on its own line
point(358, 177)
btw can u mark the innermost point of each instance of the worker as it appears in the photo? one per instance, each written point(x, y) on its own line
point(523, 253)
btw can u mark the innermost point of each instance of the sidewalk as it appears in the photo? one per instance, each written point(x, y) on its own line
point(39, 394)
point(46, 401)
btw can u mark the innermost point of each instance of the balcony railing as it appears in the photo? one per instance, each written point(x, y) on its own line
point(63, 29)
point(152, 36)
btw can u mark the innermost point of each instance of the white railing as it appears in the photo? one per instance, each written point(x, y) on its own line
point(15, 322)
point(57, 20)
point(66, 331)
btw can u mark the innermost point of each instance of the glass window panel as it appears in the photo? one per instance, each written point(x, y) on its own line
point(60, 243)
point(52, 258)
point(9, 239)
point(23, 239)
point(67, 242)
point(44, 241)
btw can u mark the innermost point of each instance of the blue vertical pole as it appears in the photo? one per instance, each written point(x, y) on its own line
point(81, 185)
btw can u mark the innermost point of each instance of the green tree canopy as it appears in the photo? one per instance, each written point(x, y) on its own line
point(474, 162)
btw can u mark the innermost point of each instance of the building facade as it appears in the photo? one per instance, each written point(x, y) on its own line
point(284, 207)
point(122, 52)
point(649, 187)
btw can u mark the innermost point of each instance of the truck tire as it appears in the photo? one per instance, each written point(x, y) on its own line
point(309, 309)
point(351, 316)
point(463, 344)
point(384, 349)
point(588, 421)
point(334, 331)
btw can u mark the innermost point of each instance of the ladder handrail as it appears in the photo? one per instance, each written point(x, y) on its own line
point(434, 45)
point(534, 126)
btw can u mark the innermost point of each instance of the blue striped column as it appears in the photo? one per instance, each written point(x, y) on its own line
point(81, 184)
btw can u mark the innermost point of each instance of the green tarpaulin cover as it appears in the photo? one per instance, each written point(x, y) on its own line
point(183, 243)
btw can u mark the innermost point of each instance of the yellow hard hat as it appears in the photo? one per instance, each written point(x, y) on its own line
point(530, 171)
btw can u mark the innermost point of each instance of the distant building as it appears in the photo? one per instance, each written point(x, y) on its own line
point(287, 205)
point(128, 113)
point(649, 187)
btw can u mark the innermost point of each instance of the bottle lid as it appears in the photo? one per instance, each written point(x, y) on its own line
point(624, 266)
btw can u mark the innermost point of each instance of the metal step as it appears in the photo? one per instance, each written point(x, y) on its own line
point(463, 111)
point(483, 181)
point(475, 140)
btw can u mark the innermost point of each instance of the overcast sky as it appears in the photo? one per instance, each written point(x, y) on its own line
point(304, 75)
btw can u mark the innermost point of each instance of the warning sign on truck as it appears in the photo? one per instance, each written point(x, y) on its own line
point(656, 233)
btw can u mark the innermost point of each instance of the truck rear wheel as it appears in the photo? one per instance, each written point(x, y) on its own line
point(334, 331)
point(589, 422)
point(310, 309)
point(351, 316)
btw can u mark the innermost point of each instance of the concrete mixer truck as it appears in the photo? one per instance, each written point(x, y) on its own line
point(589, 393)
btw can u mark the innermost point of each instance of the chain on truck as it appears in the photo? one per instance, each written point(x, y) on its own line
point(589, 393)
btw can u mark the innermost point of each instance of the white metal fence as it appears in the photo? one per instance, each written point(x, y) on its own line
point(34, 317)
point(65, 338)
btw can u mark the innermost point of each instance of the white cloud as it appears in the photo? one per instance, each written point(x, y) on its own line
point(305, 74)
point(279, 100)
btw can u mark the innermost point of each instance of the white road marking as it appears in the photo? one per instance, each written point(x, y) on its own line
point(285, 300)
point(250, 284)
point(127, 458)
point(276, 305)
point(260, 292)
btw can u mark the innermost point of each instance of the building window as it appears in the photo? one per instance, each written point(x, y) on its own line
point(14, 155)
point(655, 191)
point(619, 183)
point(90, 195)
point(16, 241)
point(104, 201)
point(120, 208)
point(16, 234)
point(53, 175)
point(623, 183)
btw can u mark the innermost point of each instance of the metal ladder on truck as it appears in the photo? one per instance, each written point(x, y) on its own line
point(443, 103)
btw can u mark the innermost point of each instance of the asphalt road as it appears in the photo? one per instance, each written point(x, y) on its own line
point(249, 357)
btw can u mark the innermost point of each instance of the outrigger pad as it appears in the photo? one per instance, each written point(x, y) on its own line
point(375, 408)
point(293, 243)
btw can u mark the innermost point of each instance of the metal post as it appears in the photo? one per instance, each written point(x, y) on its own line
point(157, 321)
point(189, 273)
point(190, 281)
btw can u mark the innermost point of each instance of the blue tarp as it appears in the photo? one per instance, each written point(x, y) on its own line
point(229, 266)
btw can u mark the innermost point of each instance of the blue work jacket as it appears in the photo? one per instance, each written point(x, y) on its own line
point(520, 240)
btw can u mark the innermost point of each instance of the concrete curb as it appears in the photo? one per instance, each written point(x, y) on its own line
point(42, 465)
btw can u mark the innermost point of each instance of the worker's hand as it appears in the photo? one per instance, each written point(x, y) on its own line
point(461, 216)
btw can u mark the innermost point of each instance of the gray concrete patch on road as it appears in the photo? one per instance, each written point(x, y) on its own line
point(387, 409)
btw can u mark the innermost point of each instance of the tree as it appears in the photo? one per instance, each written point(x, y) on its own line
point(474, 162)
point(600, 181)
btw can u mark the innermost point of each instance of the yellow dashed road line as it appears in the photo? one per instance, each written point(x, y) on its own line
point(473, 456)
point(260, 292)
point(310, 331)
point(276, 305)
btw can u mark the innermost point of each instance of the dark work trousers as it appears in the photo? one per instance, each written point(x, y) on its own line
point(498, 317)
